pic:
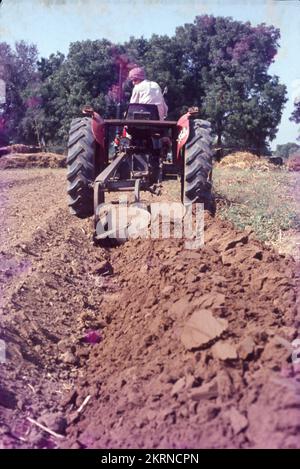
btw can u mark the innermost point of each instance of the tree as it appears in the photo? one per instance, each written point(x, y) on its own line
point(85, 76)
point(162, 58)
point(286, 150)
point(218, 64)
point(296, 114)
point(19, 71)
point(228, 62)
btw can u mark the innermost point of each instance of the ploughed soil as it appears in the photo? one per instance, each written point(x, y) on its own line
point(144, 345)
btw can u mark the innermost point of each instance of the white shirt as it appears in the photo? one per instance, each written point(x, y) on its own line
point(149, 92)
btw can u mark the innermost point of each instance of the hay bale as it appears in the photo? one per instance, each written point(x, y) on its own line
point(32, 160)
point(244, 160)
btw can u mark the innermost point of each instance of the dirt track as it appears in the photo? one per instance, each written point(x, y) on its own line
point(147, 383)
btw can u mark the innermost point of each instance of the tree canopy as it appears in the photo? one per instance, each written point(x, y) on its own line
point(216, 63)
point(287, 150)
point(18, 71)
point(296, 114)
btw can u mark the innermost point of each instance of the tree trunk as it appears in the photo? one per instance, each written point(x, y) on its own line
point(219, 152)
point(37, 132)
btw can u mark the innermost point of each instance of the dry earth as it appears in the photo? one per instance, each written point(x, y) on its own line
point(148, 344)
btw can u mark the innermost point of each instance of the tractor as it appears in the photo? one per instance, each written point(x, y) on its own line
point(136, 153)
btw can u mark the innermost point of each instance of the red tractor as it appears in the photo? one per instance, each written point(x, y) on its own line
point(145, 151)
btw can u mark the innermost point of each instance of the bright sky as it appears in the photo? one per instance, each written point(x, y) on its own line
point(53, 24)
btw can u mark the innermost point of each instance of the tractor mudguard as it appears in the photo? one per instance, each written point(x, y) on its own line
point(98, 130)
point(98, 126)
point(183, 125)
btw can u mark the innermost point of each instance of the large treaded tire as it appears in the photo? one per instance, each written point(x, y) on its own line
point(81, 170)
point(196, 186)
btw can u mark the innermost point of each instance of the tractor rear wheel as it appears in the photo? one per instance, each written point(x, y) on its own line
point(81, 167)
point(196, 185)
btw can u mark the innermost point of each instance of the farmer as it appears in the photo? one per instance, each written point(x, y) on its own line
point(147, 92)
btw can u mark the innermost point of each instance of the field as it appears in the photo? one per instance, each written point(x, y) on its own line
point(148, 344)
point(266, 201)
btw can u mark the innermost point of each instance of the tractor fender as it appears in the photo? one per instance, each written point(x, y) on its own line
point(98, 129)
point(98, 125)
point(183, 125)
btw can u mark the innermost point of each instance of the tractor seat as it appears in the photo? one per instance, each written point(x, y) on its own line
point(142, 112)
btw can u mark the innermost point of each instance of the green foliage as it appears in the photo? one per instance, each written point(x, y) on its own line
point(83, 77)
point(19, 71)
point(162, 58)
point(296, 115)
point(257, 199)
point(286, 150)
point(217, 64)
point(230, 60)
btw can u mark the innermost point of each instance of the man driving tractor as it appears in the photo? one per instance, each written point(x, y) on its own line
point(147, 92)
point(148, 149)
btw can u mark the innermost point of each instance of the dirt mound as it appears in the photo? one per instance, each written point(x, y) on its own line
point(193, 351)
point(148, 344)
point(32, 160)
point(244, 160)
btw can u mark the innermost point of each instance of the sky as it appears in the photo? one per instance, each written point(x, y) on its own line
point(53, 24)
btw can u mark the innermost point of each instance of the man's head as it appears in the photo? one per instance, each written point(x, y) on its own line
point(136, 75)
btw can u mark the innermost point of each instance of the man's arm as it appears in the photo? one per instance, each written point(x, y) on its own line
point(135, 96)
point(163, 104)
point(165, 108)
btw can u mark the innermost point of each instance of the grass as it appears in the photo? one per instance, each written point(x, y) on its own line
point(266, 201)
